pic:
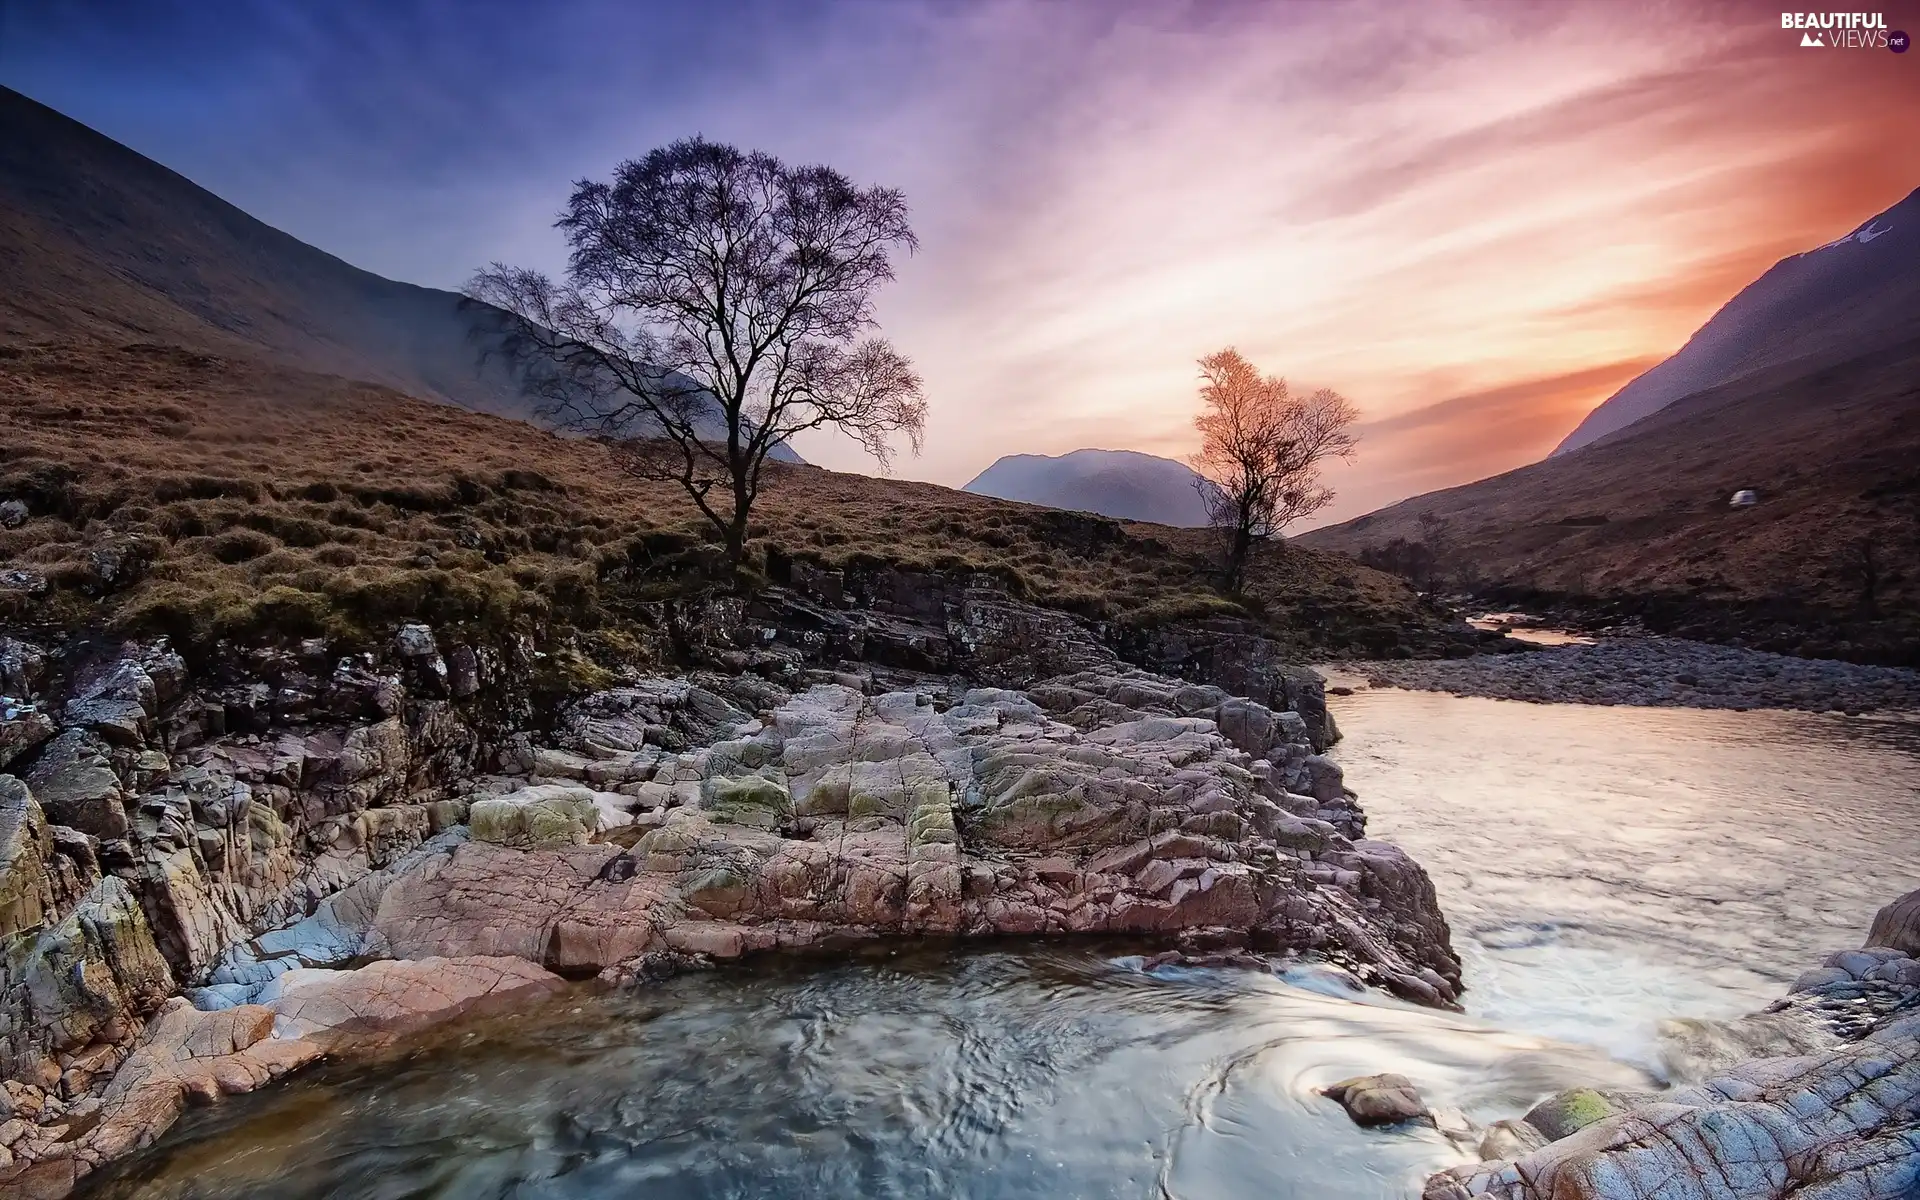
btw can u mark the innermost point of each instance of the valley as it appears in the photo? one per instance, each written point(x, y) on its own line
point(441, 754)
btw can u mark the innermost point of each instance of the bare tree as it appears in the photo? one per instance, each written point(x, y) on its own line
point(716, 304)
point(1260, 453)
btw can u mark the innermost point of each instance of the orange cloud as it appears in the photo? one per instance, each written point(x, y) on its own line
point(1476, 221)
point(1469, 437)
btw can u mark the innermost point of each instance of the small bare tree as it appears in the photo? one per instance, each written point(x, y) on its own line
point(1260, 453)
point(716, 304)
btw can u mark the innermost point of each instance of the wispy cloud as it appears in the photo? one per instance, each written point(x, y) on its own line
point(1475, 219)
point(1475, 435)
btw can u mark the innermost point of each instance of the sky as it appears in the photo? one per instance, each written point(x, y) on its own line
point(1475, 220)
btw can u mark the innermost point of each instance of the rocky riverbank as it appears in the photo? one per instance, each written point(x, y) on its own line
point(1665, 672)
point(210, 877)
point(1818, 1096)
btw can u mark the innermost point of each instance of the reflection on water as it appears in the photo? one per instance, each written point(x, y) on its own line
point(1605, 867)
point(1602, 868)
point(1015, 1072)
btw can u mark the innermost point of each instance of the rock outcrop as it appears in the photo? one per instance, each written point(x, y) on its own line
point(1836, 1116)
point(197, 868)
point(1119, 809)
point(189, 1056)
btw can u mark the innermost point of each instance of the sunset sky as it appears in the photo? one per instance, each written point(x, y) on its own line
point(1477, 220)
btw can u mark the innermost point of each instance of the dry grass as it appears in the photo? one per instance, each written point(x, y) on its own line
point(214, 498)
point(1640, 523)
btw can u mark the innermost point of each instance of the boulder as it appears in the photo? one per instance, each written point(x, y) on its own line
point(1820, 978)
point(23, 669)
point(1326, 781)
point(1385, 1099)
point(23, 728)
point(463, 672)
point(416, 641)
point(1569, 1112)
point(536, 817)
point(120, 701)
point(1903, 973)
point(1509, 1139)
point(74, 781)
point(1897, 926)
point(1857, 963)
point(371, 764)
point(748, 800)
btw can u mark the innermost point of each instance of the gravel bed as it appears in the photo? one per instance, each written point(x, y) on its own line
point(1657, 671)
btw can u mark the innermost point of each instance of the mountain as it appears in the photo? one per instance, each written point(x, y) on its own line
point(1839, 301)
point(98, 241)
point(1113, 483)
point(1636, 521)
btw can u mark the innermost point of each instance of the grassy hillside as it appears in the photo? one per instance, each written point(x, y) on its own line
point(216, 498)
point(1640, 525)
point(98, 241)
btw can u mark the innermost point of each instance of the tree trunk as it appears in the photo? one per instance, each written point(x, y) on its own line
point(1238, 552)
point(737, 527)
point(734, 536)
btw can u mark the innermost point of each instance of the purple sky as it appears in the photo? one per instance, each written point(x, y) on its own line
point(1476, 220)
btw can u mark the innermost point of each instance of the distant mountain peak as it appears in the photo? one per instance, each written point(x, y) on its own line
point(1830, 303)
point(1128, 484)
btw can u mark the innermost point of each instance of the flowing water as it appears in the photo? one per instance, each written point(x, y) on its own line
point(1602, 868)
point(1605, 867)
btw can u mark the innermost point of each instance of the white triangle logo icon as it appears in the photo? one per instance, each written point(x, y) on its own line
point(1811, 39)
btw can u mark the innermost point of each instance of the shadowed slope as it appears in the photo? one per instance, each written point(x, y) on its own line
point(1641, 523)
point(1855, 295)
point(98, 240)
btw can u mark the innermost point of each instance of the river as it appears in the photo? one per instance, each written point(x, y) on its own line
point(1602, 868)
